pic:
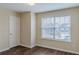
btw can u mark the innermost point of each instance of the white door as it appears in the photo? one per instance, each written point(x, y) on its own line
point(13, 28)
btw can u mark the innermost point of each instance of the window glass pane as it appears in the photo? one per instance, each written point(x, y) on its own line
point(62, 27)
point(58, 28)
point(47, 26)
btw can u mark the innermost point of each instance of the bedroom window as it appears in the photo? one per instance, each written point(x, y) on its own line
point(56, 28)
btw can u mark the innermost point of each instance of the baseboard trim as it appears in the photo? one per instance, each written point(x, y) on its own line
point(51, 48)
point(4, 49)
point(58, 49)
point(25, 46)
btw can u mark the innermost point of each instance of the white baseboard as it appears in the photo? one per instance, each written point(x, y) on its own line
point(51, 48)
point(25, 46)
point(58, 49)
point(4, 49)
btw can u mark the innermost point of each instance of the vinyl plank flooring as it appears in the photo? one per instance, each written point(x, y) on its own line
point(20, 50)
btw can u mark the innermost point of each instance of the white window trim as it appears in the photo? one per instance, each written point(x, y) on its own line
point(64, 40)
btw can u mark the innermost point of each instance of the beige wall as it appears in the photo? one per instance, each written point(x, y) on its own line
point(4, 27)
point(27, 29)
point(68, 46)
point(33, 29)
point(28, 32)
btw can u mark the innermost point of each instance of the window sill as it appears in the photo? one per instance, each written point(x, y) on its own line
point(62, 40)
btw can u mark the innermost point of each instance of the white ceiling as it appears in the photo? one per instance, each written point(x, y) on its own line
point(38, 7)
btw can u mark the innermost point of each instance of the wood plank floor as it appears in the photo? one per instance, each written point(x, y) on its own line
point(20, 50)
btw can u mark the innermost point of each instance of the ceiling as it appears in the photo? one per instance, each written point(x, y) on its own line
point(38, 7)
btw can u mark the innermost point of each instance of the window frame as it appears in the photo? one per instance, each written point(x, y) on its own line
point(64, 40)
